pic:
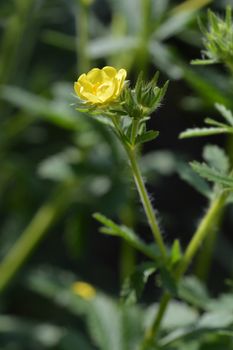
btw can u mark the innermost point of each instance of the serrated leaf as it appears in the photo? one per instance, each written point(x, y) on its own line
point(216, 158)
point(194, 180)
point(147, 136)
point(133, 285)
point(197, 132)
point(212, 175)
point(110, 228)
point(203, 62)
point(226, 113)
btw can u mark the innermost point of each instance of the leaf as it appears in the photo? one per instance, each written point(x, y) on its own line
point(178, 314)
point(106, 46)
point(55, 112)
point(212, 175)
point(197, 132)
point(216, 158)
point(193, 179)
point(168, 281)
point(194, 292)
point(203, 62)
point(226, 113)
point(147, 136)
point(176, 254)
point(107, 321)
point(134, 284)
point(110, 228)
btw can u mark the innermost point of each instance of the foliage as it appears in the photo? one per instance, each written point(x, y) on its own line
point(59, 165)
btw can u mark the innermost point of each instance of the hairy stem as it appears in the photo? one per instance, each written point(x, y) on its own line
point(206, 225)
point(146, 201)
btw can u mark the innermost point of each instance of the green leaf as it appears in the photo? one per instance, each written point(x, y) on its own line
point(204, 62)
point(193, 179)
point(194, 292)
point(147, 136)
point(178, 314)
point(134, 284)
point(110, 228)
point(176, 254)
point(212, 175)
point(197, 132)
point(226, 113)
point(216, 158)
point(168, 281)
point(56, 112)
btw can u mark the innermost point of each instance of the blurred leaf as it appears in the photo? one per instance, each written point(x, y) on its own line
point(110, 228)
point(168, 281)
point(212, 175)
point(197, 132)
point(179, 17)
point(176, 254)
point(177, 315)
point(226, 113)
point(194, 292)
point(216, 158)
point(165, 59)
point(102, 47)
point(162, 162)
point(109, 324)
point(211, 91)
point(188, 175)
point(55, 112)
point(58, 167)
point(134, 284)
point(147, 136)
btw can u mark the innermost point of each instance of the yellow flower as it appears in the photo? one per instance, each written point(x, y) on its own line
point(100, 86)
point(84, 290)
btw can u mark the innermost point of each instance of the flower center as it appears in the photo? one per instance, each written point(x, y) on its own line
point(95, 87)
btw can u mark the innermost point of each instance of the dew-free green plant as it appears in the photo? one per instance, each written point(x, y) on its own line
point(128, 115)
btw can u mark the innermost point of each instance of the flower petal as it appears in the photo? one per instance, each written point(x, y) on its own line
point(95, 76)
point(110, 72)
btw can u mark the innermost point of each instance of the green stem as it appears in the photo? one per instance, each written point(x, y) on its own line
point(134, 131)
point(35, 231)
point(205, 256)
point(12, 38)
point(151, 332)
point(142, 54)
point(206, 225)
point(146, 201)
point(82, 35)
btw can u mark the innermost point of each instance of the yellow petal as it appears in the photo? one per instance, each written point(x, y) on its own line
point(111, 72)
point(84, 290)
point(95, 76)
point(106, 91)
point(121, 75)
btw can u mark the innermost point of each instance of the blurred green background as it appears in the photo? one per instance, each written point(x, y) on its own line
point(59, 166)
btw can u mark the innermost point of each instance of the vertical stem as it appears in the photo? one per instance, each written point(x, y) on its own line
point(35, 231)
point(205, 256)
point(146, 202)
point(134, 130)
point(142, 54)
point(82, 35)
point(150, 334)
point(205, 226)
point(11, 39)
